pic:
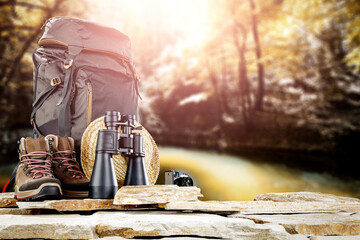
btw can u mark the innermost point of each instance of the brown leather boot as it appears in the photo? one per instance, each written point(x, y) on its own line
point(34, 180)
point(73, 181)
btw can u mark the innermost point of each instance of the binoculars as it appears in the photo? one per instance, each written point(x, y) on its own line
point(103, 183)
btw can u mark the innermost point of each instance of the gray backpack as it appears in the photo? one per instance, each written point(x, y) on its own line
point(81, 70)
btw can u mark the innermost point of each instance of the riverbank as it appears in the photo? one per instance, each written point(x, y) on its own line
point(326, 145)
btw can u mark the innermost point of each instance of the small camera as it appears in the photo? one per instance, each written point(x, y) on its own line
point(178, 178)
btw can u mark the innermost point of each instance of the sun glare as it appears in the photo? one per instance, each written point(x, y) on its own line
point(183, 16)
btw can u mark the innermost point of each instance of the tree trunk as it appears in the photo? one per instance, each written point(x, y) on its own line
point(219, 105)
point(224, 86)
point(245, 99)
point(260, 67)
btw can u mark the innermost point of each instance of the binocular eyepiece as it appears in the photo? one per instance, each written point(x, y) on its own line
point(103, 183)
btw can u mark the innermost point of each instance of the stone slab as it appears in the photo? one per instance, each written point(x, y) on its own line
point(304, 196)
point(17, 211)
point(335, 237)
point(262, 206)
point(79, 205)
point(155, 194)
point(319, 224)
point(7, 200)
point(131, 224)
point(69, 226)
point(168, 224)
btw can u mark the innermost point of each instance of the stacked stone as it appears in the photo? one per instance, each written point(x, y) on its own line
point(175, 212)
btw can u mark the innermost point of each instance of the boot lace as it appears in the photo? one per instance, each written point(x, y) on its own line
point(38, 163)
point(67, 158)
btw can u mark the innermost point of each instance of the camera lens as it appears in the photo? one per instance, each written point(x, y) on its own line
point(184, 182)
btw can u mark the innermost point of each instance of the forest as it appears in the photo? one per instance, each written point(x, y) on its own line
point(275, 78)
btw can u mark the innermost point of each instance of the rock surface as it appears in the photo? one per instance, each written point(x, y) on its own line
point(7, 200)
point(262, 206)
point(319, 224)
point(303, 196)
point(155, 194)
point(334, 238)
point(17, 211)
point(322, 218)
point(138, 224)
point(45, 226)
point(78, 205)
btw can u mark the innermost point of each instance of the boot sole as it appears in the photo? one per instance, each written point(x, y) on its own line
point(47, 191)
point(75, 194)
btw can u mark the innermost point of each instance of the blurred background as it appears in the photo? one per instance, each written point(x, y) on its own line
point(246, 96)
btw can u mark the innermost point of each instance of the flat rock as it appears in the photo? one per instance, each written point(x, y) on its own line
point(77, 205)
point(7, 200)
point(131, 224)
point(303, 196)
point(334, 238)
point(17, 211)
point(168, 224)
point(155, 194)
point(319, 224)
point(70, 226)
point(262, 206)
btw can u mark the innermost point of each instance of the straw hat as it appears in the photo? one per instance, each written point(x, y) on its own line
point(88, 146)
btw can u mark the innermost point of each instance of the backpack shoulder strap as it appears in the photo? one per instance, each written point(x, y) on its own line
point(64, 122)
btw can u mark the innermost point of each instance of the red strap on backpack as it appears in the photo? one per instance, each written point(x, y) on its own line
point(4, 188)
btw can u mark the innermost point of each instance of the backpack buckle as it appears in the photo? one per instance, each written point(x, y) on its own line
point(55, 81)
point(68, 63)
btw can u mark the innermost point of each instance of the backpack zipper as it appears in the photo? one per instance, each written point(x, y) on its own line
point(89, 108)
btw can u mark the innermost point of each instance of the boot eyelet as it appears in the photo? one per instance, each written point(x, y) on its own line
point(28, 173)
point(25, 168)
point(60, 165)
point(65, 170)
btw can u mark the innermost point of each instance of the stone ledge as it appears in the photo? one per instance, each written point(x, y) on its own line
point(334, 238)
point(245, 207)
point(80, 205)
point(304, 197)
point(317, 217)
point(131, 224)
point(248, 207)
point(45, 226)
point(7, 200)
point(316, 224)
point(156, 194)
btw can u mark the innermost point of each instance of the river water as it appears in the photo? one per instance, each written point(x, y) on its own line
point(225, 177)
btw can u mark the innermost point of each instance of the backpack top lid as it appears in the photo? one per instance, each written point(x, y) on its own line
point(89, 35)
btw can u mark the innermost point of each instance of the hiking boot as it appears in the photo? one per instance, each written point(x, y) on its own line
point(73, 181)
point(34, 179)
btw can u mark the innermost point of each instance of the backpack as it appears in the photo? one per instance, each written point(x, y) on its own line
point(81, 70)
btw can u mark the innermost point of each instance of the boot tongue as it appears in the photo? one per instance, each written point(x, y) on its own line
point(64, 144)
point(35, 145)
point(67, 144)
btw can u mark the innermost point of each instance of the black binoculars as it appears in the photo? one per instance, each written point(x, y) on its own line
point(103, 183)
